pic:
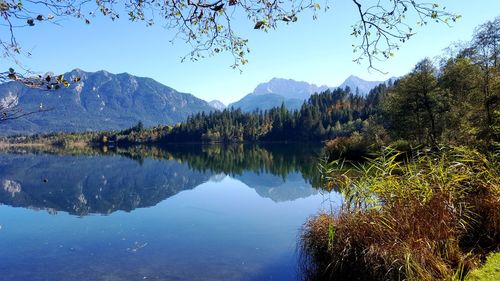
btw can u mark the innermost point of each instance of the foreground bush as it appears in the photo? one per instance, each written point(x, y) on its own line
point(433, 217)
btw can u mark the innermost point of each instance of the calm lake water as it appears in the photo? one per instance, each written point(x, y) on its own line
point(179, 213)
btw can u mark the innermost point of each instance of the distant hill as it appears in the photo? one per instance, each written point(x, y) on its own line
point(100, 101)
point(288, 88)
point(277, 91)
point(293, 93)
point(253, 102)
point(362, 87)
point(218, 105)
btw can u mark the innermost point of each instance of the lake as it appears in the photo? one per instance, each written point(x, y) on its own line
point(175, 213)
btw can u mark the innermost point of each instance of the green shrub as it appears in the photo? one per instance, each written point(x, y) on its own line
point(352, 147)
point(402, 146)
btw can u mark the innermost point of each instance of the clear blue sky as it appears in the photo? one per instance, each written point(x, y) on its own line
point(317, 51)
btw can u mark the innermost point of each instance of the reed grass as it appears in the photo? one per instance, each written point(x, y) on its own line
point(431, 217)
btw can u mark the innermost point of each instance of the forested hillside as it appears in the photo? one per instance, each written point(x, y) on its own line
point(97, 101)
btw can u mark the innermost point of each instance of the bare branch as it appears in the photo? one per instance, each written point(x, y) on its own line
point(383, 26)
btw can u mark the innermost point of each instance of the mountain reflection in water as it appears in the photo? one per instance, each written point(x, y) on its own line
point(92, 181)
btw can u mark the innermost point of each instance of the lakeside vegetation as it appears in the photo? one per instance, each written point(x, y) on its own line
point(432, 217)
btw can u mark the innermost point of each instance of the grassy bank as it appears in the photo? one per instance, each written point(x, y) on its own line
point(432, 217)
point(489, 271)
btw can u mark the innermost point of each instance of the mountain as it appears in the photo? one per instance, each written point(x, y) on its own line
point(99, 101)
point(293, 93)
point(288, 88)
point(218, 105)
point(277, 91)
point(253, 102)
point(363, 87)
